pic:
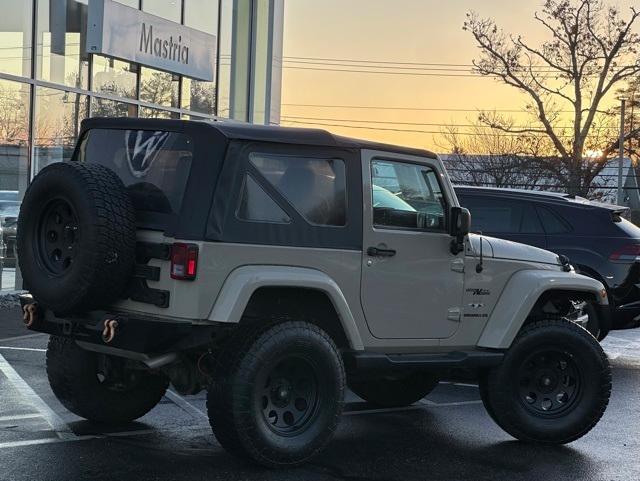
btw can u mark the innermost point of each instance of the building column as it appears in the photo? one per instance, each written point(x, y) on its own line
point(256, 61)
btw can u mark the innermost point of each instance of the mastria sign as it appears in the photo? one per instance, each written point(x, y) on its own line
point(126, 33)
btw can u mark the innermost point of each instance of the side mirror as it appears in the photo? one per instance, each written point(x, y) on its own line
point(459, 227)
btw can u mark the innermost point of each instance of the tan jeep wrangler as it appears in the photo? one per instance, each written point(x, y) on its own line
point(274, 267)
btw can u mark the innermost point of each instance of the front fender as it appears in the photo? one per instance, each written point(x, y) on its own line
point(244, 281)
point(520, 295)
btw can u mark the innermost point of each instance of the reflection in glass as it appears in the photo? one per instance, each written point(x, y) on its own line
point(169, 9)
point(201, 15)
point(62, 30)
point(224, 65)
point(114, 77)
point(130, 3)
point(199, 96)
point(150, 113)
point(193, 117)
point(14, 148)
point(196, 95)
point(111, 108)
point(57, 116)
point(15, 37)
point(158, 87)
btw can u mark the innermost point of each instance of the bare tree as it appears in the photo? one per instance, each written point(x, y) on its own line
point(591, 50)
point(13, 116)
point(485, 157)
point(631, 94)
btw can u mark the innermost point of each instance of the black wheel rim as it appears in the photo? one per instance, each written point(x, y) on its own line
point(58, 235)
point(549, 383)
point(287, 395)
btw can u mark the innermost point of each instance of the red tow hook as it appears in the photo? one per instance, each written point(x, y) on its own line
point(109, 331)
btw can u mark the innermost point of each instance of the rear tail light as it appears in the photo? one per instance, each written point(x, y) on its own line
point(184, 261)
point(628, 253)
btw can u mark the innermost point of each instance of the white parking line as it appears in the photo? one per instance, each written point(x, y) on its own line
point(33, 349)
point(19, 417)
point(88, 437)
point(422, 404)
point(30, 396)
point(185, 405)
point(19, 338)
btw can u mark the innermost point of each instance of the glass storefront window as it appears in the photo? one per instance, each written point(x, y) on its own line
point(114, 77)
point(169, 9)
point(201, 15)
point(150, 113)
point(111, 108)
point(159, 87)
point(14, 151)
point(57, 120)
point(198, 96)
point(224, 62)
point(62, 28)
point(130, 3)
point(15, 37)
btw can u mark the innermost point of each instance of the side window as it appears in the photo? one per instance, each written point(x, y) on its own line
point(407, 196)
point(315, 187)
point(530, 223)
point(551, 222)
point(493, 215)
point(256, 205)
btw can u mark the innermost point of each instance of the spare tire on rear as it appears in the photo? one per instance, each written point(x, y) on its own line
point(76, 237)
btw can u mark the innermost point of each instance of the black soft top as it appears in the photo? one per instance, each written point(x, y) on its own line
point(259, 133)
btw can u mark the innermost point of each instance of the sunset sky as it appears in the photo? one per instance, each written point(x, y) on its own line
point(412, 31)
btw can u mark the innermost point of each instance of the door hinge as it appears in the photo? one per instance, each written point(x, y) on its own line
point(457, 265)
point(453, 314)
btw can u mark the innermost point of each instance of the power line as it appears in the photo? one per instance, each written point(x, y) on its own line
point(387, 62)
point(442, 68)
point(364, 127)
point(432, 124)
point(414, 74)
point(426, 109)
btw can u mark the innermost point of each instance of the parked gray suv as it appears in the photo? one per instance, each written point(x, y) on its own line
point(274, 267)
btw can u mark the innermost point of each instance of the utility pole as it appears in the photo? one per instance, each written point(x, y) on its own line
point(621, 153)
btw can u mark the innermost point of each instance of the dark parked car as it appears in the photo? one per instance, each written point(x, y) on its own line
point(9, 208)
point(595, 237)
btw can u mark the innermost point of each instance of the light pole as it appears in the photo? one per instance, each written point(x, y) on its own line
point(621, 153)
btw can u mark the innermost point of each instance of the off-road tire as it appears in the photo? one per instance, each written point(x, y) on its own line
point(389, 393)
point(589, 378)
point(236, 399)
point(82, 259)
point(73, 376)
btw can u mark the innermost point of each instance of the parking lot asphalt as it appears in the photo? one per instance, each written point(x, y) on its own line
point(446, 436)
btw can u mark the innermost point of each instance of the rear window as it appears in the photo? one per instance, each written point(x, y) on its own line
point(153, 165)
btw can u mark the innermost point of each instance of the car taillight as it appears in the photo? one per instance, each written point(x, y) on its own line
point(184, 261)
point(628, 253)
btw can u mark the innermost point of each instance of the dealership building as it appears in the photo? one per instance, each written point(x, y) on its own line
point(62, 61)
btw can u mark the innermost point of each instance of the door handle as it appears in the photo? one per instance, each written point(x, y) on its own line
point(377, 252)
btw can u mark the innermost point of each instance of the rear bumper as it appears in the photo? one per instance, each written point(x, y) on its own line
point(130, 334)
